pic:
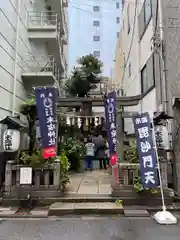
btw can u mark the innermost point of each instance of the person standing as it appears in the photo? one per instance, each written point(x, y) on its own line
point(90, 151)
point(107, 154)
point(100, 151)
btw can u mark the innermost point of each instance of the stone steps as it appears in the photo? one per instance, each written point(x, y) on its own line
point(62, 208)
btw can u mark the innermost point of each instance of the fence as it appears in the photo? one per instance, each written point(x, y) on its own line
point(128, 172)
point(46, 181)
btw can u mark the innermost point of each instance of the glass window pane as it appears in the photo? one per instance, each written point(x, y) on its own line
point(96, 8)
point(141, 23)
point(96, 23)
point(96, 53)
point(96, 38)
point(150, 72)
point(147, 10)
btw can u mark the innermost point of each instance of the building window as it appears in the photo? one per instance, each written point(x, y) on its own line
point(129, 69)
point(147, 76)
point(118, 20)
point(122, 2)
point(96, 8)
point(96, 53)
point(96, 38)
point(117, 34)
point(117, 5)
point(96, 23)
point(128, 19)
point(145, 16)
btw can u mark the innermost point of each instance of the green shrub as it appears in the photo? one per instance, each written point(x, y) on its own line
point(74, 150)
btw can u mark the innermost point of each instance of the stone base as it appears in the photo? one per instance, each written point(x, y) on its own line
point(130, 197)
point(61, 209)
point(23, 192)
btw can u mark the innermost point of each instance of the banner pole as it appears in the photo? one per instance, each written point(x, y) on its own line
point(162, 217)
point(158, 165)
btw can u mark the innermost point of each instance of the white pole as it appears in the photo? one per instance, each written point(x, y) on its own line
point(15, 61)
point(158, 165)
point(162, 217)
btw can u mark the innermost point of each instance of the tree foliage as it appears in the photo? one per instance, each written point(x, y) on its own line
point(85, 76)
point(29, 110)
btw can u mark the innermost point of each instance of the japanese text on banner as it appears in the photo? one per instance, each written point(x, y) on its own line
point(46, 102)
point(49, 117)
point(110, 114)
point(147, 154)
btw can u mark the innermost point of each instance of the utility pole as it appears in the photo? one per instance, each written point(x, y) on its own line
point(161, 54)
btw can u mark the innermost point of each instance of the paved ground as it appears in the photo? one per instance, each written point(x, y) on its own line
point(95, 182)
point(109, 228)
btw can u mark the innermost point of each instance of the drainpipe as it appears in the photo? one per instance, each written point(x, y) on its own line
point(162, 56)
point(16, 56)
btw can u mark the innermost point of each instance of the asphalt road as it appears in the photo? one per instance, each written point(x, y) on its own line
point(109, 228)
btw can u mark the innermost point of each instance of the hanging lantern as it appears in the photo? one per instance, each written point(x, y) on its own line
point(100, 121)
point(68, 121)
point(162, 137)
point(73, 120)
point(96, 121)
point(87, 121)
point(79, 122)
point(11, 140)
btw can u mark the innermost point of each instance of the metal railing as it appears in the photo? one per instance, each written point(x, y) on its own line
point(42, 19)
point(40, 64)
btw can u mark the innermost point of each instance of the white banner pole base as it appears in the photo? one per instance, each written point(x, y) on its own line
point(165, 218)
point(162, 217)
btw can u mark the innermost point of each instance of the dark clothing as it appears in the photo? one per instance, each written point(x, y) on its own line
point(100, 151)
point(102, 163)
point(89, 162)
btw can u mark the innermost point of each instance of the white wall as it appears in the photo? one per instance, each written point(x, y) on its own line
point(8, 23)
point(139, 54)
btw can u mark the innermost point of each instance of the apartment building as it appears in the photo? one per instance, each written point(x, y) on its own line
point(33, 49)
point(134, 65)
point(145, 69)
point(118, 65)
point(94, 28)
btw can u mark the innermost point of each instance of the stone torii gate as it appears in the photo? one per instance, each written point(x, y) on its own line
point(86, 104)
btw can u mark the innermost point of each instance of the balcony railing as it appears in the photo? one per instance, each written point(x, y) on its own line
point(41, 64)
point(42, 19)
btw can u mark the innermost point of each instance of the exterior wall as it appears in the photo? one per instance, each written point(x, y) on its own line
point(118, 63)
point(171, 20)
point(81, 31)
point(164, 91)
point(26, 49)
point(8, 19)
point(137, 50)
